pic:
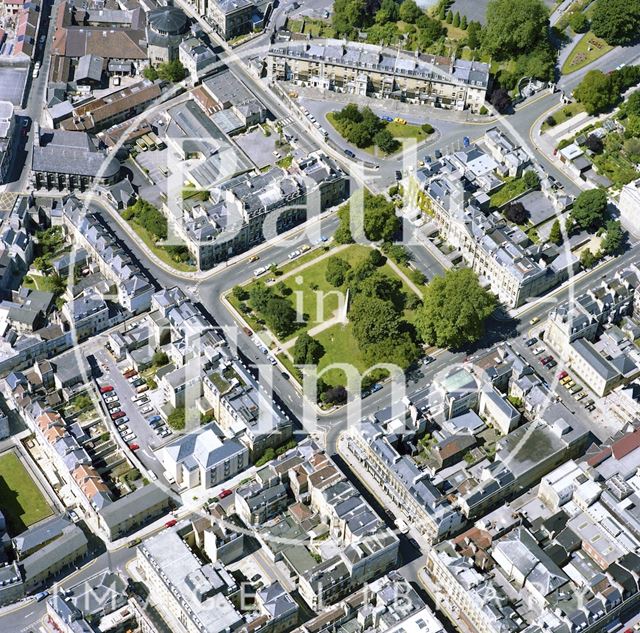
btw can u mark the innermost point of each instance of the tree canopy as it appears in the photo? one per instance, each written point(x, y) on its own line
point(616, 21)
point(337, 271)
point(596, 92)
point(307, 350)
point(614, 238)
point(363, 128)
point(514, 27)
point(380, 221)
point(589, 209)
point(455, 308)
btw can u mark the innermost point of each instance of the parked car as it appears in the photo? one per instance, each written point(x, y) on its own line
point(129, 436)
point(41, 595)
point(538, 350)
point(398, 175)
point(146, 410)
point(427, 360)
point(532, 341)
point(117, 414)
point(154, 418)
point(349, 153)
point(376, 387)
point(122, 421)
point(111, 398)
point(113, 406)
point(256, 578)
point(225, 493)
point(294, 254)
point(552, 363)
point(580, 395)
point(142, 388)
point(106, 389)
point(123, 429)
point(575, 388)
point(562, 374)
point(141, 399)
point(170, 523)
point(130, 373)
point(546, 360)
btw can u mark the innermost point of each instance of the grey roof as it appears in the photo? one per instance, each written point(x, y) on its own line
point(64, 152)
point(277, 602)
point(168, 20)
point(39, 534)
point(134, 504)
point(89, 67)
point(72, 541)
point(600, 365)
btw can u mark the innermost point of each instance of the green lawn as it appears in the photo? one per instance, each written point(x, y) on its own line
point(509, 191)
point(159, 251)
point(20, 498)
point(340, 347)
point(564, 114)
point(587, 50)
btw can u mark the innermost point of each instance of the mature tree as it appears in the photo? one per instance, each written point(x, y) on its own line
point(456, 20)
point(380, 219)
point(616, 21)
point(539, 63)
point(455, 308)
point(515, 212)
point(376, 257)
point(42, 264)
point(150, 73)
point(464, 23)
point(632, 149)
point(596, 92)
point(348, 15)
point(337, 271)
point(361, 271)
point(388, 12)
point(579, 22)
point(240, 293)
point(386, 141)
point(373, 320)
point(430, 31)
point(614, 238)
point(587, 258)
point(569, 226)
point(401, 350)
point(449, 18)
point(334, 395)
point(594, 144)
point(442, 14)
point(172, 71)
point(383, 287)
point(531, 179)
point(280, 315)
point(589, 209)
point(500, 100)
point(410, 11)
point(474, 35)
point(632, 104)
point(259, 296)
point(343, 232)
point(514, 27)
point(307, 350)
point(555, 235)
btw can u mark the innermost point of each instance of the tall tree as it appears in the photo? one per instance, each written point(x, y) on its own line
point(455, 308)
point(555, 235)
point(616, 21)
point(307, 350)
point(596, 92)
point(614, 238)
point(514, 27)
point(589, 209)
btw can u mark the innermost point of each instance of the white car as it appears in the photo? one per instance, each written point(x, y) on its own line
point(111, 398)
point(294, 254)
point(129, 437)
point(260, 271)
point(123, 429)
point(146, 410)
point(538, 350)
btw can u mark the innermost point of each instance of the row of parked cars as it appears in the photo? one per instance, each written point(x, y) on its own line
point(119, 417)
point(549, 362)
point(142, 401)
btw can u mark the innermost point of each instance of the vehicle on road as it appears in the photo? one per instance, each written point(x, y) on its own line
point(170, 523)
point(254, 258)
point(402, 526)
point(260, 271)
point(41, 595)
point(36, 70)
point(534, 320)
point(398, 175)
point(294, 254)
point(225, 493)
point(349, 153)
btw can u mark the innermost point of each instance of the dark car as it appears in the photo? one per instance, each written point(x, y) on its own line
point(532, 341)
point(398, 175)
point(438, 153)
point(349, 153)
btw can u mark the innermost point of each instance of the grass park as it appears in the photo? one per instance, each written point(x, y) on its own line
point(20, 498)
point(300, 282)
point(587, 50)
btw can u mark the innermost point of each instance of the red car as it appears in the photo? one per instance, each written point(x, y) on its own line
point(170, 523)
point(130, 373)
point(119, 414)
point(562, 374)
point(225, 493)
point(106, 389)
point(133, 447)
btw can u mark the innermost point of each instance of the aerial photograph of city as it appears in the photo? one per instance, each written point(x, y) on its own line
point(319, 316)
